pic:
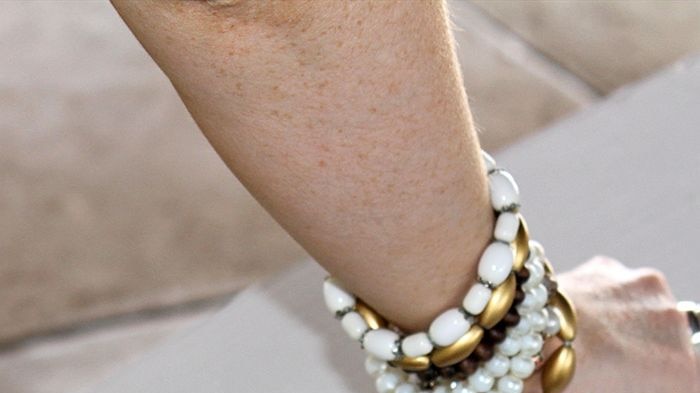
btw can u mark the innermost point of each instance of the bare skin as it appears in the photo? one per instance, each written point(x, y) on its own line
point(631, 338)
point(348, 123)
point(358, 141)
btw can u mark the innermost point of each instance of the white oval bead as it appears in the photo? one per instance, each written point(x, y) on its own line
point(510, 346)
point(481, 381)
point(449, 327)
point(504, 191)
point(354, 325)
point(536, 270)
point(531, 344)
point(510, 384)
point(498, 365)
point(406, 388)
point(553, 324)
point(374, 366)
point(489, 162)
point(337, 299)
point(507, 226)
point(381, 343)
point(417, 344)
point(496, 263)
point(476, 299)
point(522, 366)
point(537, 320)
point(386, 382)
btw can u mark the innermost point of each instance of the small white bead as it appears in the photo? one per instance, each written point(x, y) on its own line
point(553, 323)
point(536, 249)
point(481, 381)
point(510, 346)
point(374, 366)
point(386, 382)
point(527, 305)
point(510, 384)
point(540, 295)
point(441, 389)
point(537, 320)
point(522, 328)
point(531, 344)
point(507, 226)
point(448, 327)
point(406, 388)
point(381, 343)
point(496, 263)
point(498, 365)
point(417, 344)
point(460, 388)
point(536, 269)
point(337, 299)
point(489, 162)
point(522, 366)
point(354, 325)
point(476, 299)
point(504, 191)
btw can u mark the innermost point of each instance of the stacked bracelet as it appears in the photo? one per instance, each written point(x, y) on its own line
point(494, 340)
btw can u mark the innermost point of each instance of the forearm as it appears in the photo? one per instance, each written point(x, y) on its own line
point(348, 123)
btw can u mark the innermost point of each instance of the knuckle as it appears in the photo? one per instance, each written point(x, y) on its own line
point(651, 279)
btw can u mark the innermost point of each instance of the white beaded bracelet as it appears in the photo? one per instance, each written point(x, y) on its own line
point(513, 362)
point(455, 333)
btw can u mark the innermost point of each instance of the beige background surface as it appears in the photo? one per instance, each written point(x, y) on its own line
point(113, 206)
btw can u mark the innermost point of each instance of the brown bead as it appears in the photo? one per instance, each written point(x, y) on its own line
point(497, 334)
point(427, 385)
point(448, 372)
point(484, 352)
point(522, 275)
point(428, 375)
point(512, 318)
point(469, 365)
point(551, 285)
point(519, 296)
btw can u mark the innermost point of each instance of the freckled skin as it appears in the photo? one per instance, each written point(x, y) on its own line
point(347, 121)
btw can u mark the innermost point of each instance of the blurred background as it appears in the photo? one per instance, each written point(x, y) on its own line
point(120, 226)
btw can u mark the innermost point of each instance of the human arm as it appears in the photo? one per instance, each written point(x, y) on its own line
point(348, 122)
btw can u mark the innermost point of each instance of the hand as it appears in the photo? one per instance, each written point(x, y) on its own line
point(631, 339)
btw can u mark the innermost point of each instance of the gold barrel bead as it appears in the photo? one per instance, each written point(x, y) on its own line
point(522, 245)
point(547, 266)
point(455, 353)
point(417, 363)
point(559, 370)
point(499, 304)
point(567, 316)
point(371, 317)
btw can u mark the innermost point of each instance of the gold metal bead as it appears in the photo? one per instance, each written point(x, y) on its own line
point(499, 304)
point(559, 370)
point(567, 316)
point(522, 245)
point(547, 266)
point(418, 363)
point(371, 317)
point(455, 353)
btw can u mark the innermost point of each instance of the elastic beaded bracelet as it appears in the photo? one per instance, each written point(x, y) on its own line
point(494, 339)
